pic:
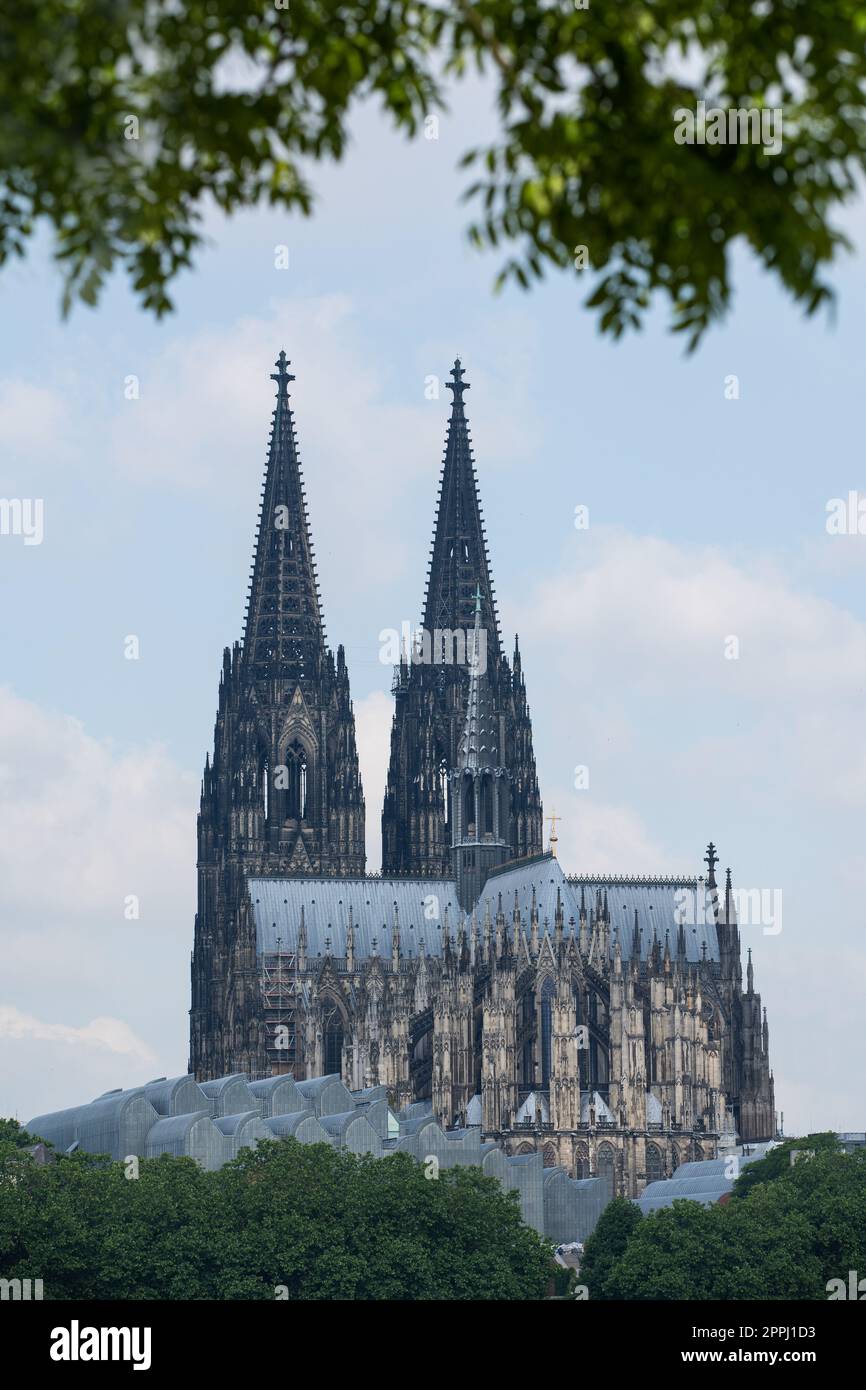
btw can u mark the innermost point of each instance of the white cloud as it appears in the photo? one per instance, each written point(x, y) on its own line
point(103, 1034)
point(32, 418)
point(84, 825)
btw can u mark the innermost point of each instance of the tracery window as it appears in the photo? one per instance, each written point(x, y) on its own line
point(296, 790)
point(547, 993)
point(332, 1039)
point(655, 1169)
point(606, 1162)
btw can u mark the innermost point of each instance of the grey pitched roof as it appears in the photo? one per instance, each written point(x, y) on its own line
point(660, 904)
point(277, 903)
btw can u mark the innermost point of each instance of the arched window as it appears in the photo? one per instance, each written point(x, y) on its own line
point(549, 1156)
point(655, 1168)
point(296, 789)
point(606, 1161)
point(526, 1149)
point(581, 1161)
point(469, 809)
point(486, 806)
point(266, 785)
point(547, 993)
point(332, 1039)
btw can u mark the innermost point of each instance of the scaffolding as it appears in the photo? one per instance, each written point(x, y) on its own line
point(279, 984)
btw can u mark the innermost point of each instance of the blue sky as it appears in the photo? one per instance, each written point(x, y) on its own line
point(707, 520)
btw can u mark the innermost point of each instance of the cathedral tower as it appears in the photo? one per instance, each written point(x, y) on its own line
point(431, 688)
point(283, 794)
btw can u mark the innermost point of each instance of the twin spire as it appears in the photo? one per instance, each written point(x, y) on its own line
point(459, 564)
point(284, 630)
point(284, 634)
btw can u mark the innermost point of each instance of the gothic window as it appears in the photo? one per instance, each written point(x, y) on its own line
point(469, 809)
point(526, 1149)
point(549, 1156)
point(606, 1161)
point(266, 785)
point(296, 788)
point(486, 807)
point(547, 993)
point(581, 1161)
point(654, 1164)
point(332, 1039)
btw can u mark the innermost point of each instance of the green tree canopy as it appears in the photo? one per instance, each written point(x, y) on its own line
point(785, 1239)
point(305, 1219)
point(122, 117)
point(776, 1163)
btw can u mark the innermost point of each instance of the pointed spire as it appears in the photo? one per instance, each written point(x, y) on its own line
point(283, 633)
point(459, 556)
point(395, 938)
point(479, 746)
point(302, 942)
point(711, 859)
point(728, 892)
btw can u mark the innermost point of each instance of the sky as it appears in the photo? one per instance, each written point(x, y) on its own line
point(707, 523)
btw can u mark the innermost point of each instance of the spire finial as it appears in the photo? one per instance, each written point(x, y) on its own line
point(711, 859)
point(282, 376)
point(458, 385)
point(554, 838)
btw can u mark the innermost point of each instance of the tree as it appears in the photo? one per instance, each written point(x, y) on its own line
point(608, 1243)
point(123, 117)
point(285, 1220)
point(13, 1135)
point(787, 1238)
point(776, 1163)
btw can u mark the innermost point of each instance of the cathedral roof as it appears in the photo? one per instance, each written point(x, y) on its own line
point(277, 907)
point(660, 903)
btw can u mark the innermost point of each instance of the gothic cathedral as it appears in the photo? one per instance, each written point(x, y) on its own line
point(602, 1021)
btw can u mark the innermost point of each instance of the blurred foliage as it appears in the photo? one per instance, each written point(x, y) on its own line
point(298, 1218)
point(236, 102)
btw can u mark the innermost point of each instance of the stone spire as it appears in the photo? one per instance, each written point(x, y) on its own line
point(431, 692)
point(459, 563)
point(283, 631)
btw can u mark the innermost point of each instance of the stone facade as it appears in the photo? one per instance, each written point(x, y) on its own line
point(602, 1023)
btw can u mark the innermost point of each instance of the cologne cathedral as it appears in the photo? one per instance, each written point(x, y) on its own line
point(602, 1021)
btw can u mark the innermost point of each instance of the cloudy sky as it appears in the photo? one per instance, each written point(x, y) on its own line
point(707, 523)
